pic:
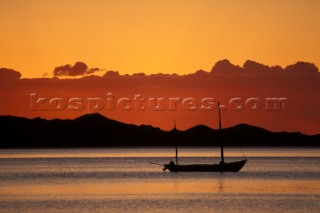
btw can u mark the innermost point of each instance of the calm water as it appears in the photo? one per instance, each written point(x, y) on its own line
point(122, 180)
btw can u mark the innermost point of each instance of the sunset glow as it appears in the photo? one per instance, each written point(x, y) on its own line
point(155, 36)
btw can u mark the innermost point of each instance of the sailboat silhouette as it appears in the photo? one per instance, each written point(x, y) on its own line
point(222, 166)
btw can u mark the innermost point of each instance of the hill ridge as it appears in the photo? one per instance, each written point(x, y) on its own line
point(96, 130)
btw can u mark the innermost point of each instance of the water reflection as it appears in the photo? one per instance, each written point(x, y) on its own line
point(221, 185)
point(160, 187)
point(121, 184)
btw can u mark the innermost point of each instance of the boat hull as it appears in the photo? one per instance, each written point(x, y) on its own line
point(221, 167)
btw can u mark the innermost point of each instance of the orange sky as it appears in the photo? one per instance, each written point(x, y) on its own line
point(151, 36)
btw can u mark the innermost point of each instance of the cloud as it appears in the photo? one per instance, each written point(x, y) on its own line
point(111, 74)
point(255, 66)
point(252, 67)
point(302, 67)
point(92, 70)
point(78, 69)
point(6, 73)
point(224, 66)
point(221, 67)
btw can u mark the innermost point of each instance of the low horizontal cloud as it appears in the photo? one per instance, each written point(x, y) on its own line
point(78, 69)
point(111, 74)
point(302, 67)
point(225, 66)
point(92, 70)
point(220, 67)
point(6, 73)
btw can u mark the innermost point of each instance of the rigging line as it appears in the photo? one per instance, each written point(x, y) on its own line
point(155, 163)
point(233, 137)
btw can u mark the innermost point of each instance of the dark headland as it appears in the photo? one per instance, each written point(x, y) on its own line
point(95, 130)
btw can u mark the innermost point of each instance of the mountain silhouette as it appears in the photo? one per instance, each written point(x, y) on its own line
point(95, 130)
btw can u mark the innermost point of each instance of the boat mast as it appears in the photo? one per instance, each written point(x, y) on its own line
point(175, 138)
point(222, 156)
